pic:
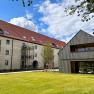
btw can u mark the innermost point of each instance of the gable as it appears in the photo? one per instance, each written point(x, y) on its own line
point(81, 38)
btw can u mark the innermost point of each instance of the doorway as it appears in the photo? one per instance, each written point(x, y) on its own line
point(82, 67)
point(35, 65)
point(74, 67)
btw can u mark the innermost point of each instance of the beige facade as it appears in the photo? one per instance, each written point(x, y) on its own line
point(10, 54)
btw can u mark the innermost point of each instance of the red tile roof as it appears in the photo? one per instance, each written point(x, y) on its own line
point(20, 33)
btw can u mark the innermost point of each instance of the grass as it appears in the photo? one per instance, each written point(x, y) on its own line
point(46, 83)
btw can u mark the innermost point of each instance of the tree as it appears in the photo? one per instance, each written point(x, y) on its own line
point(85, 9)
point(29, 2)
point(48, 56)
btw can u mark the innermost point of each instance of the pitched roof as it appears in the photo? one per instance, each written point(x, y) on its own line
point(79, 32)
point(16, 32)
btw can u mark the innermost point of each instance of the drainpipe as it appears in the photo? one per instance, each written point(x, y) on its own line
point(11, 55)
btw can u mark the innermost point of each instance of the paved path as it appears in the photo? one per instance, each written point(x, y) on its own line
point(56, 70)
point(21, 72)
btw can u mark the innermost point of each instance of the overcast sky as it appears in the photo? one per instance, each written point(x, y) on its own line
point(46, 17)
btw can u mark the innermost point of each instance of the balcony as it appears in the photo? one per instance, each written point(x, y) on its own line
point(82, 55)
point(82, 51)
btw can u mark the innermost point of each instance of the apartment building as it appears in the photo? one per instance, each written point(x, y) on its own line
point(77, 56)
point(20, 48)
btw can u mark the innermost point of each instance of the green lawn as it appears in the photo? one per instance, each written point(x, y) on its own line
point(46, 83)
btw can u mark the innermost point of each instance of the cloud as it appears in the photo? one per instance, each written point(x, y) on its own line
point(25, 22)
point(59, 24)
point(28, 15)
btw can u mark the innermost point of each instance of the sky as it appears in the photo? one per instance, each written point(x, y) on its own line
point(47, 17)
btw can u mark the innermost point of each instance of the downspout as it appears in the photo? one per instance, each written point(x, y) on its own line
point(11, 56)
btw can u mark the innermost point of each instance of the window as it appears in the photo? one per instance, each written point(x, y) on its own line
point(32, 56)
point(35, 46)
point(6, 62)
point(5, 32)
point(24, 37)
point(32, 48)
point(53, 44)
point(35, 54)
point(7, 52)
point(8, 42)
point(33, 39)
point(1, 31)
point(82, 47)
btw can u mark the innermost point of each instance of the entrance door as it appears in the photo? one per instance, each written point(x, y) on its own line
point(74, 67)
point(35, 65)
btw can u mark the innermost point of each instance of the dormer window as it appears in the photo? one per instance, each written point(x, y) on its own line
point(53, 44)
point(41, 41)
point(1, 31)
point(33, 39)
point(24, 37)
point(4, 32)
point(57, 46)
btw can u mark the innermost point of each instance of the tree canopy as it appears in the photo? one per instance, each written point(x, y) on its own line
point(24, 3)
point(48, 55)
point(85, 9)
